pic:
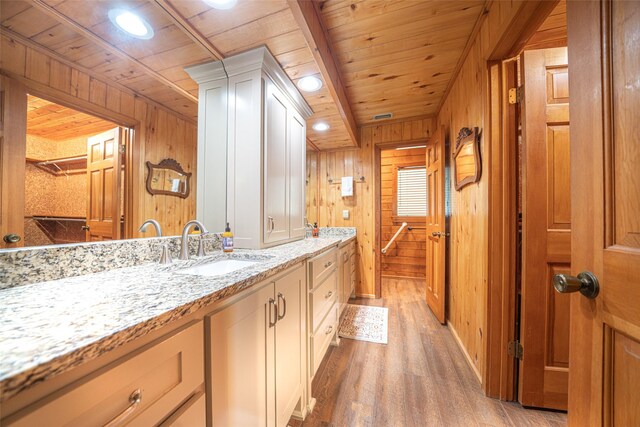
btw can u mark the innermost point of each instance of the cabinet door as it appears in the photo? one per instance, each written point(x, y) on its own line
point(276, 175)
point(242, 348)
point(297, 174)
point(345, 285)
point(290, 365)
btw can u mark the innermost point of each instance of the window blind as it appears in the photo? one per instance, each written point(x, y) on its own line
point(412, 191)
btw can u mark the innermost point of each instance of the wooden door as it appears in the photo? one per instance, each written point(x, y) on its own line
point(546, 229)
point(103, 185)
point(604, 41)
point(435, 228)
point(13, 143)
point(276, 224)
point(297, 174)
point(241, 349)
point(290, 342)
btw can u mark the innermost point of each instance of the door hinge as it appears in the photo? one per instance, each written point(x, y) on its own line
point(122, 148)
point(516, 94)
point(514, 349)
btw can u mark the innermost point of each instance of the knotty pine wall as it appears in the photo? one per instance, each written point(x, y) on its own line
point(360, 162)
point(467, 106)
point(407, 255)
point(161, 133)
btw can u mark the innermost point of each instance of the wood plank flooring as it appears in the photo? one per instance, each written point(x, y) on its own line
point(419, 379)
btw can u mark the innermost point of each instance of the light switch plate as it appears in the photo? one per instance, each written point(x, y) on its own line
point(345, 214)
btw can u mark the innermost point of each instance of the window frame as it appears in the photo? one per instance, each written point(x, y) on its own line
point(397, 220)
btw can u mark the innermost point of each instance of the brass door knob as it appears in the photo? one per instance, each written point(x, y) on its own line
point(586, 283)
point(11, 238)
point(435, 233)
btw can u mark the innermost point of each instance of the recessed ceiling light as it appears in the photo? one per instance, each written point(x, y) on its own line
point(320, 126)
point(130, 23)
point(310, 83)
point(221, 4)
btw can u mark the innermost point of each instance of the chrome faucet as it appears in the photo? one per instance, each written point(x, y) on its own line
point(165, 257)
point(184, 247)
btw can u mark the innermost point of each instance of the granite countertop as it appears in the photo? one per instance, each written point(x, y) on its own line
point(50, 327)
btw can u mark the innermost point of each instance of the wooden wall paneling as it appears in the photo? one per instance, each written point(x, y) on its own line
point(312, 187)
point(406, 258)
point(154, 128)
point(553, 31)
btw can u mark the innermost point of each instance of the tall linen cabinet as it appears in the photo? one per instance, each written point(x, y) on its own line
point(251, 149)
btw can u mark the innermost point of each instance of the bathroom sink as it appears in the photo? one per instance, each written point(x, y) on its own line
point(217, 268)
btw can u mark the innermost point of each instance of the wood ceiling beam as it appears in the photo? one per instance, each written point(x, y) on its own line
point(308, 18)
point(189, 30)
point(65, 20)
point(55, 55)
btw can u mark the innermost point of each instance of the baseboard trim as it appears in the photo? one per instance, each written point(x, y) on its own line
point(464, 351)
point(370, 296)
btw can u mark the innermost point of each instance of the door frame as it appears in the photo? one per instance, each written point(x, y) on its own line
point(377, 174)
point(134, 151)
point(498, 377)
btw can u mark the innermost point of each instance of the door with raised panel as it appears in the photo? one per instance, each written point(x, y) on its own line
point(604, 349)
point(435, 228)
point(242, 365)
point(546, 229)
point(297, 173)
point(13, 146)
point(103, 185)
point(276, 167)
point(290, 327)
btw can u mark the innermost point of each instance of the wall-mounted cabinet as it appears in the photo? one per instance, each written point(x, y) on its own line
point(251, 149)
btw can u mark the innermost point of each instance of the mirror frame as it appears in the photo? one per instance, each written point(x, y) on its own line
point(174, 166)
point(465, 138)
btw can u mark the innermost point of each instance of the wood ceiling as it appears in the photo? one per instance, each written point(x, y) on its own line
point(53, 121)
point(375, 56)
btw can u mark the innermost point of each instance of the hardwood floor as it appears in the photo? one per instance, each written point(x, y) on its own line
point(419, 379)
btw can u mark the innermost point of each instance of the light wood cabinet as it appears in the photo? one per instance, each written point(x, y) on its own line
point(322, 306)
point(263, 143)
point(141, 389)
point(347, 274)
point(257, 349)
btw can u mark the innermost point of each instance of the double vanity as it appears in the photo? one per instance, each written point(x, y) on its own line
point(225, 339)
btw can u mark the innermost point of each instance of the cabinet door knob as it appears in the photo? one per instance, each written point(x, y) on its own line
point(328, 295)
point(586, 283)
point(329, 330)
point(134, 400)
point(11, 238)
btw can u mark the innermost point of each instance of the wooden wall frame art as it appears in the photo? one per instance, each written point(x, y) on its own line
point(168, 178)
point(467, 166)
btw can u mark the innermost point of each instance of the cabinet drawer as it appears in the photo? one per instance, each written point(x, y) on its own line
point(322, 266)
point(322, 337)
point(192, 414)
point(322, 298)
point(164, 372)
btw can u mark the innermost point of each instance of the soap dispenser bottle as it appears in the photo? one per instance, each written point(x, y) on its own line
point(316, 230)
point(227, 239)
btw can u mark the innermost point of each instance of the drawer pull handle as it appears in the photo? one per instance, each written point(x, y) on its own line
point(284, 305)
point(328, 295)
point(327, 265)
point(134, 400)
point(329, 330)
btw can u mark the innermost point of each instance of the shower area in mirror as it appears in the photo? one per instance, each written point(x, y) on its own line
point(74, 176)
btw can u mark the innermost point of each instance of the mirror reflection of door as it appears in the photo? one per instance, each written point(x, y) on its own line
point(61, 186)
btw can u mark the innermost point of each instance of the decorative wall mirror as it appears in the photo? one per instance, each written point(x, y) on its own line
point(168, 178)
point(466, 158)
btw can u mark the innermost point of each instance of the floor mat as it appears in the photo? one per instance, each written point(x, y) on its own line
point(365, 323)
